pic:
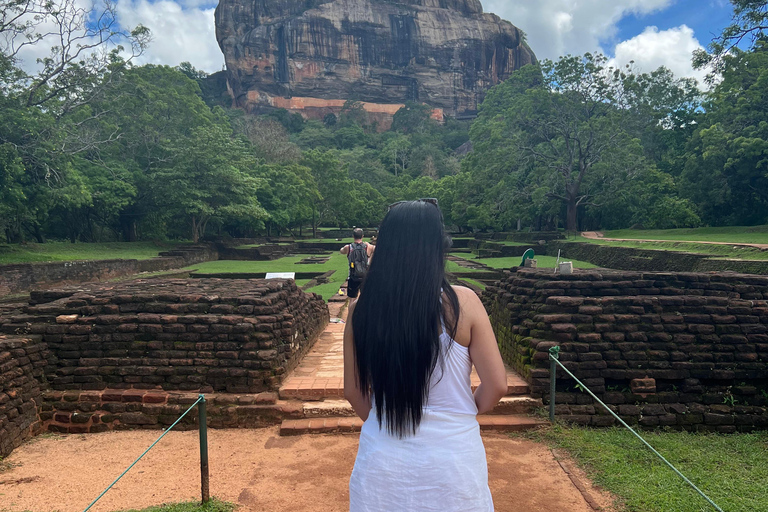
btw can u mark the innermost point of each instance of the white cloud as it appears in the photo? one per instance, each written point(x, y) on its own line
point(49, 28)
point(559, 27)
point(178, 34)
point(672, 48)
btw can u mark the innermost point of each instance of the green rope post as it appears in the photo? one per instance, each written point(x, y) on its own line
point(554, 354)
point(203, 429)
point(142, 455)
point(624, 423)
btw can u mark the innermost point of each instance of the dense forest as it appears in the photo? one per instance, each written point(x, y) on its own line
point(96, 148)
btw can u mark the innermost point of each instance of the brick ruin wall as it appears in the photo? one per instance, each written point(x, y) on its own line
point(696, 343)
point(22, 277)
point(22, 360)
point(129, 354)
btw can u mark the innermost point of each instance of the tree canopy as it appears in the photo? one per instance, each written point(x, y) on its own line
point(94, 147)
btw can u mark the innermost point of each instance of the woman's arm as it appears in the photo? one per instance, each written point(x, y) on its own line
point(360, 403)
point(485, 355)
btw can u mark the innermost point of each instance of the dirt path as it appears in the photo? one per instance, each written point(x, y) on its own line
point(595, 235)
point(254, 468)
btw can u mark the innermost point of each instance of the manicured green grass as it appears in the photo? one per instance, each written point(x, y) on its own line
point(65, 251)
point(252, 246)
point(452, 266)
point(514, 244)
point(731, 469)
point(720, 251)
point(541, 262)
point(337, 262)
point(192, 506)
point(472, 281)
point(734, 234)
point(343, 240)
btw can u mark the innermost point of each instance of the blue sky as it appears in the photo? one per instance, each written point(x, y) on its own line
point(707, 18)
point(651, 33)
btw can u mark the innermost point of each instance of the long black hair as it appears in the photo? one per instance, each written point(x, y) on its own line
point(396, 321)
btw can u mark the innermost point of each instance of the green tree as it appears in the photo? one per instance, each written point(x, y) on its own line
point(413, 117)
point(572, 130)
point(749, 22)
point(210, 180)
point(289, 195)
point(726, 171)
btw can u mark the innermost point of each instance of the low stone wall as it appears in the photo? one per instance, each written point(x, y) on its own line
point(211, 335)
point(684, 350)
point(261, 253)
point(630, 258)
point(77, 412)
point(23, 277)
point(22, 360)
point(483, 249)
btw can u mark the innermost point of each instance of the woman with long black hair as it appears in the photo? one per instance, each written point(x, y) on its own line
point(409, 347)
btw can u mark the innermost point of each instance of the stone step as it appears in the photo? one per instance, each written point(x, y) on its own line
point(341, 408)
point(492, 423)
point(318, 388)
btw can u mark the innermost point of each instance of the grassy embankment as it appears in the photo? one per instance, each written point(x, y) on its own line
point(512, 261)
point(685, 240)
point(191, 506)
point(729, 234)
point(65, 251)
point(337, 262)
point(731, 469)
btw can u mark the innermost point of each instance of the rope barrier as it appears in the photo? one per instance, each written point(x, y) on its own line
point(201, 398)
point(553, 356)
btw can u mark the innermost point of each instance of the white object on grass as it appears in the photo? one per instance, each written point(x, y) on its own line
point(281, 275)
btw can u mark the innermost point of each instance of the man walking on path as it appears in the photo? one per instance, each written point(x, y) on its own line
point(358, 253)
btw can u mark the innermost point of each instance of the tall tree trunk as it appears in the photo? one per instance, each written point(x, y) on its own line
point(194, 230)
point(571, 221)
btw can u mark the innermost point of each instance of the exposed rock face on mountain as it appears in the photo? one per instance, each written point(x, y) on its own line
point(312, 55)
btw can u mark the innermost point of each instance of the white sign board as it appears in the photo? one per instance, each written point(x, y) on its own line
point(281, 275)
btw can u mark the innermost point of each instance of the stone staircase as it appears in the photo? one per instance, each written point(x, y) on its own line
point(316, 391)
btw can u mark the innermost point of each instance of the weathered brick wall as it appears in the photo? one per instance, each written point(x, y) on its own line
point(80, 412)
point(630, 258)
point(22, 277)
point(237, 336)
point(22, 360)
point(702, 337)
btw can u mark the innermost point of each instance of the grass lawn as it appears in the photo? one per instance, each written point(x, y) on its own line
point(329, 240)
point(735, 234)
point(65, 251)
point(541, 262)
point(452, 266)
point(515, 244)
point(731, 469)
point(251, 246)
point(721, 251)
point(337, 262)
point(472, 281)
point(192, 506)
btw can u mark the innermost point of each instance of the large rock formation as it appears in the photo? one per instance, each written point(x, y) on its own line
point(312, 55)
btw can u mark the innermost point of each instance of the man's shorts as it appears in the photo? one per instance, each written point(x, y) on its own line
point(353, 287)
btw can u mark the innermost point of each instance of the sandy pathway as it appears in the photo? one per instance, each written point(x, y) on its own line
point(254, 468)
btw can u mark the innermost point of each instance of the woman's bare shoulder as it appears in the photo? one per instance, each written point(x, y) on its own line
point(466, 296)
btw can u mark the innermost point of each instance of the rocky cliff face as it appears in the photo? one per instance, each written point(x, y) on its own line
point(311, 55)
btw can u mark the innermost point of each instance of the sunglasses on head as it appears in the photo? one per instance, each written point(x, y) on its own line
point(430, 200)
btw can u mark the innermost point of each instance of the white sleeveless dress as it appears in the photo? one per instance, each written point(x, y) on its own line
point(442, 468)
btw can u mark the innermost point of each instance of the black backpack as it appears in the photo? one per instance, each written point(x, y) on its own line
point(358, 261)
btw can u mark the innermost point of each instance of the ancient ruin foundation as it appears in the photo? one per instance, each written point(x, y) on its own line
point(684, 350)
point(128, 354)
